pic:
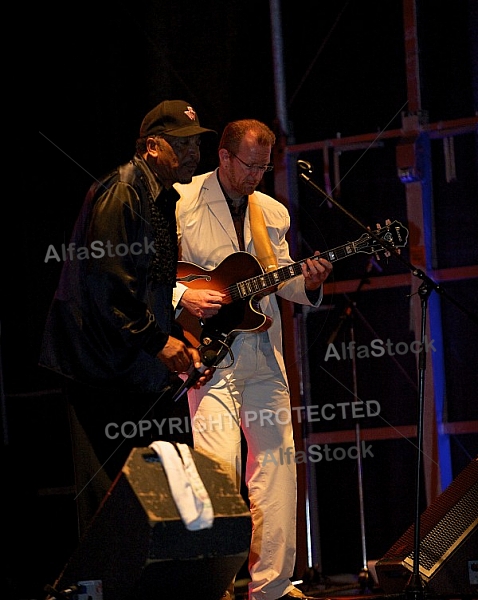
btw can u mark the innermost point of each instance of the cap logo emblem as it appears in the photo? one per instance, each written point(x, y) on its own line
point(190, 112)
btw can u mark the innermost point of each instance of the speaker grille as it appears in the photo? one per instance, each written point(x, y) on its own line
point(446, 536)
point(448, 542)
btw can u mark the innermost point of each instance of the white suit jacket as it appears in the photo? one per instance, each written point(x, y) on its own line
point(207, 236)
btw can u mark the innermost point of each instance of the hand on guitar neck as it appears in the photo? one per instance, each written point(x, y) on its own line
point(315, 272)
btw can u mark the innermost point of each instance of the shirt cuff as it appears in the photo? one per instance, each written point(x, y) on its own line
point(314, 295)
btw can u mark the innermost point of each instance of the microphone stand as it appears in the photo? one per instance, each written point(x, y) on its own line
point(415, 589)
point(364, 577)
point(427, 281)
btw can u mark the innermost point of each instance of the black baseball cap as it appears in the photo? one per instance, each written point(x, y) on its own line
point(174, 117)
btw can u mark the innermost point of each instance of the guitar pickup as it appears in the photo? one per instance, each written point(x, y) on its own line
point(192, 277)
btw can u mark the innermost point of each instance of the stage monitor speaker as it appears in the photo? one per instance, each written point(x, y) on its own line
point(448, 543)
point(138, 547)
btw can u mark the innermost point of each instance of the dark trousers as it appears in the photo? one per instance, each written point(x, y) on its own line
point(105, 426)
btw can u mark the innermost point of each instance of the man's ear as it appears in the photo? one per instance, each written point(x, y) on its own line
point(224, 155)
point(153, 145)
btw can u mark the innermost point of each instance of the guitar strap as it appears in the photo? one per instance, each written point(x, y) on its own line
point(262, 243)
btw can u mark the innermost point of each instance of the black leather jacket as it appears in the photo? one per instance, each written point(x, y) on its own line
point(109, 316)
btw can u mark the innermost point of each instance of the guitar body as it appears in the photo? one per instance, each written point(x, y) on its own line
point(236, 315)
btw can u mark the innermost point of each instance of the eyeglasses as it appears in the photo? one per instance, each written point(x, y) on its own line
point(261, 168)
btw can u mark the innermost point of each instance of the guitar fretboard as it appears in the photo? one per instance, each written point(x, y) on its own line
point(394, 235)
point(257, 284)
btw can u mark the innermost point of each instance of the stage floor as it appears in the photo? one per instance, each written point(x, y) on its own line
point(345, 586)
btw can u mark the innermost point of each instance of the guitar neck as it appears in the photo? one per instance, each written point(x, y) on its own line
point(257, 284)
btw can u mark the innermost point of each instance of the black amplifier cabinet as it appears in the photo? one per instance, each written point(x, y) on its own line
point(448, 543)
point(138, 547)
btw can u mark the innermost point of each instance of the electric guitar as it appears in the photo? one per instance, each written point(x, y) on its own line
point(240, 276)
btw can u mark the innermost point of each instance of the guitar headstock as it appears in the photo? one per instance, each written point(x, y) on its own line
point(393, 233)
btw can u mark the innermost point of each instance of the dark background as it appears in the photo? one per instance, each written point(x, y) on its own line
point(101, 66)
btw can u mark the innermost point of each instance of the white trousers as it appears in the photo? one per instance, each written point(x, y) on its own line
point(252, 395)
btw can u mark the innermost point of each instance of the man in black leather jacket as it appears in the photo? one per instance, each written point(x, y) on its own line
point(110, 329)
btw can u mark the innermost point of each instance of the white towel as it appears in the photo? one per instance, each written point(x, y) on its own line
point(187, 488)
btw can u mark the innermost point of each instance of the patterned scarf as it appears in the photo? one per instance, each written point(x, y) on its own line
point(163, 222)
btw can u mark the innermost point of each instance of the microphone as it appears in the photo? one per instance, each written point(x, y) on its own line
point(211, 356)
point(304, 165)
point(193, 376)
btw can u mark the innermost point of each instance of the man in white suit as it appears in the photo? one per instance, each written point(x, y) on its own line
point(214, 222)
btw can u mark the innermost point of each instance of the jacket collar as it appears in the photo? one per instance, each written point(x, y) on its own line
point(152, 182)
